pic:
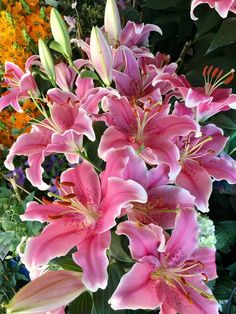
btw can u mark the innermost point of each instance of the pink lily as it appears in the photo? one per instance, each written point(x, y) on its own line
point(82, 216)
point(199, 162)
point(48, 293)
point(134, 34)
point(222, 7)
point(170, 276)
point(164, 201)
point(61, 133)
point(146, 130)
point(131, 81)
point(20, 85)
point(201, 102)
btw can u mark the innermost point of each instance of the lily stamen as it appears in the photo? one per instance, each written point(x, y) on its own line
point(214, 79)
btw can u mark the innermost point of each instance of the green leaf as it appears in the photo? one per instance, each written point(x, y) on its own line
point(67, 263)
point(56, 46)
point(223, 287)
point(225, 235)
point(117, 251)
point(82, 305)
point(224, 121)
point(225, 36)
point(52, 3)
point(101, 297)
point(90, 74)
point(160, 5)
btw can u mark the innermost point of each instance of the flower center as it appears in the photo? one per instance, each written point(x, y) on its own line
point(142, 118)
point(214, 78)
point(72, 204)
point(10, 80)
point(177, 277)
point(193, 149)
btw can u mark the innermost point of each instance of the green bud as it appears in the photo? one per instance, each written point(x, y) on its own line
point(60, 33)
point(46, 60)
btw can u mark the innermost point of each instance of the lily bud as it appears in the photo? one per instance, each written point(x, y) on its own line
point(60, 33)
point(101, 55)
point(46, 60)
point(112, 22)
point(49, 291)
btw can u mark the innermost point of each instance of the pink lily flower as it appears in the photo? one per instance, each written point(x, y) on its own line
point(170, 276)
point(48, 293)
point(82, 216)
point(199, 162)
point(222, 7)
point(19, 84)
point(133, 81)
point(201, 102)
point(134, 34)
point(164, 201)
point(63, 132)
point(146, 130)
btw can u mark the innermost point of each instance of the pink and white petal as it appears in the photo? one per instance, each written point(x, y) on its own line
point(63, 116)
point(91, 256)
point(54, 241)
point(195, 98)
point(137, 290)
point(195, 178)
point(86, 183)
point(163, 201)
point(29, 144)
point(162, 152)
point(83, 125)
point(170, 126)
point(69, 143)
point(178, 249)
point(166, 309)
point(122, 113)
point(222, 168)
point(13, 69)
point(127, 161)
point(119, 194)
point(83, 85)
point(112, 138)
point(216, 143)
point(207, 257)
point(146, 32)
point(94, 96)
point(158, 176)
point(117, 160)
point(131, 64)
point(124, 84)
point(144, 240)
point(61, 97)
point(223, 7)
point(42, 212)
point(196, 3)
point(35, 171)
point(28, 85)
point(181, 110)
point(191, 301)
point(10, 98)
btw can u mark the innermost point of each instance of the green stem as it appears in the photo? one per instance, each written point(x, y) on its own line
point(87, 159)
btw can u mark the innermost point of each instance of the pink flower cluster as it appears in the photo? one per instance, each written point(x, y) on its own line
point(160, 162)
